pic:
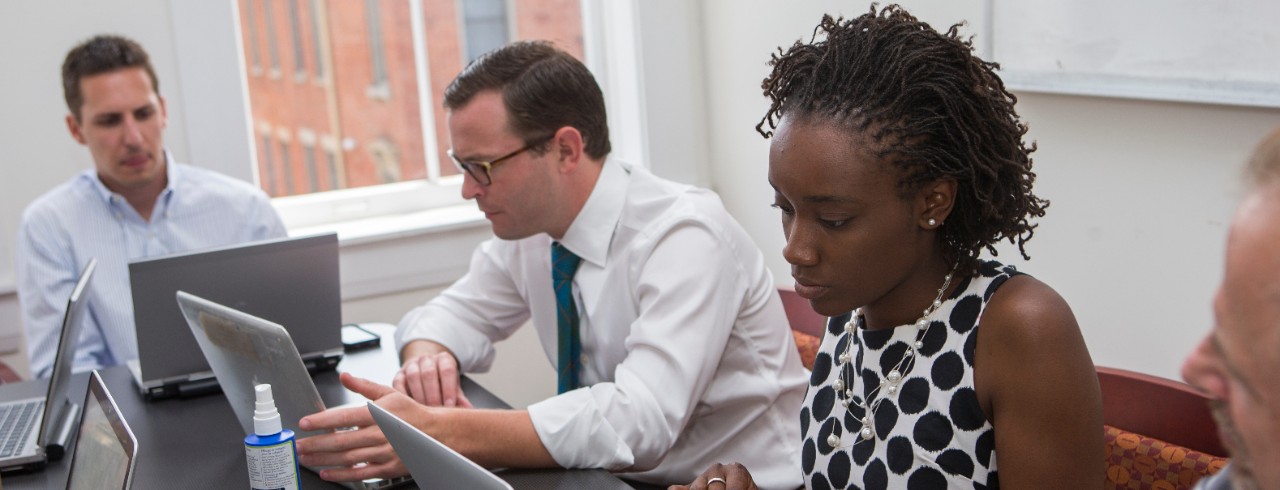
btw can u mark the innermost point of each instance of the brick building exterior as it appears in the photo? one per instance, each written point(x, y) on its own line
point(334, 87)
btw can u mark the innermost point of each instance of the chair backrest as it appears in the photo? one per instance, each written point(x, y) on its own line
point(1158, 433)
point(807, 326)
point(800, 315)
point(1165, 409)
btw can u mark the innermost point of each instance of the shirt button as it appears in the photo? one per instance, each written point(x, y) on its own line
point(584, 359)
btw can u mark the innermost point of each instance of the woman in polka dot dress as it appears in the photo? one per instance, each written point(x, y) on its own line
point(896, 158)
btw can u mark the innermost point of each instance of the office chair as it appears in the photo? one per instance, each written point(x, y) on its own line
point(1159, 433)
point(807, 326)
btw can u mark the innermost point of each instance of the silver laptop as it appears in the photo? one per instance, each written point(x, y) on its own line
point(246, 351)
point(105, 451)
point(289, 281)
point(432, 464)
point(34, 430)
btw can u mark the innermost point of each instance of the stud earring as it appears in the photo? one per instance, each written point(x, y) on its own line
point(933, 222)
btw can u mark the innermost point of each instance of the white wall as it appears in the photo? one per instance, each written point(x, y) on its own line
point(1141, 191)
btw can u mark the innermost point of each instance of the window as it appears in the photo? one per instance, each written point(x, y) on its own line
point(286, 163)
point(308, 140)
point(385, 161)
point(295, 29)
point(485, 24)
point(412, 48)
point(251, 32)
point(269, 164)
point(331, 163)
point(377, 55)
point(318, 62)
point(273, 47)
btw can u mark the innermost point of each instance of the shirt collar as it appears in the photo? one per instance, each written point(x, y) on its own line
point(586, 236)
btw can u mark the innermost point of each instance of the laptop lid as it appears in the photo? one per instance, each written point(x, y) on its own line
point(54, 423)
point(106, 450)
point(246, 351)
point(432, 464)
point(288, 281)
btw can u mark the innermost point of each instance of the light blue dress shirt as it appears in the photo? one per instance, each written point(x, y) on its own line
point(82, 219)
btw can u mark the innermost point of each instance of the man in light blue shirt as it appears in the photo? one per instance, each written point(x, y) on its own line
point(136, 202)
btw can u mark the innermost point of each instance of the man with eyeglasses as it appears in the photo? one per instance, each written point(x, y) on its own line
point(655, 306)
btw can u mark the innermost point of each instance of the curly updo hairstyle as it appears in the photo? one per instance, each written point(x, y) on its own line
point(930, 107)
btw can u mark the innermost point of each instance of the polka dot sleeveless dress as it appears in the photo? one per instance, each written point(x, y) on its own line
point(930, 432)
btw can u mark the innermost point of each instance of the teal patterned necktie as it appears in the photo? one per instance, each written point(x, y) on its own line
point(563, 265)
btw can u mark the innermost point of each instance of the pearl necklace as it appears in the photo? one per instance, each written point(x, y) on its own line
point(889, 386)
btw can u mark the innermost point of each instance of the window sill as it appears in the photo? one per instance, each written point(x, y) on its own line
point(379, 91)
point(391, 227)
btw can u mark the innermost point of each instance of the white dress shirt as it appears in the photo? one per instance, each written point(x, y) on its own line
point(81, 219)
point(686, 352)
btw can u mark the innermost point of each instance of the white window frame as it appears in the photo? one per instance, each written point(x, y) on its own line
point(424, 227)
point(208, 87)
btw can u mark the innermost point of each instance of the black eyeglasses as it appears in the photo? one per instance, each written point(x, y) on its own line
point(481, 170)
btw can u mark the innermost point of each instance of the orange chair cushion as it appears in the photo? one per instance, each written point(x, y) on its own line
point(808, 346)
point(1135, 461)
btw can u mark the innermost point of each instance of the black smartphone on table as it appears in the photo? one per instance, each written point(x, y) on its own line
point(355, 337)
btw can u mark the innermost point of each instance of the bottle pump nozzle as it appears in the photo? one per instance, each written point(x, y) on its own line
point(266, 420)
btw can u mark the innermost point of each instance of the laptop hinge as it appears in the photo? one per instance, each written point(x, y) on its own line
point(62, 430)
point(323, 361)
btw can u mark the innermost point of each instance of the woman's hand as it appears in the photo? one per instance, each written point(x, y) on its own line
point(721, 477)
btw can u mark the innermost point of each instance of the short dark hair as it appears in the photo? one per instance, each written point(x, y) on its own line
point(930, 106)
point(543, 88)
point(101, 54)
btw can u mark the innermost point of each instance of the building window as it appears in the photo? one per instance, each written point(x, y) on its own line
point(251, 32)
point(386, 162)
point(268, 168)
point(413, 48)
point(295, 31)
point(485, 25)
point(377, 53)
point(307, 139)
point(286, 163)
point(331, 164)
point(314, 16)
point(273, 46)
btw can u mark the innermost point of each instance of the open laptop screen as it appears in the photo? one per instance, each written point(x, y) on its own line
point(105, 447)
point(291, 281)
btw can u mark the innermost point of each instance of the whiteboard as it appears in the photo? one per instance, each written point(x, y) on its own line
point(1217, 51)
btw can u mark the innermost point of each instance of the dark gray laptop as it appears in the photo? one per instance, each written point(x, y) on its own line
point(289, 281)
point(106, 451)
point(36, 429)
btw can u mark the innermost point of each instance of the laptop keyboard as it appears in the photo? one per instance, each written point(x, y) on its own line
point(17, 420)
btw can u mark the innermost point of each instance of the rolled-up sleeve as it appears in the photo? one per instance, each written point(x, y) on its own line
point(687, 288)
point(481, 308)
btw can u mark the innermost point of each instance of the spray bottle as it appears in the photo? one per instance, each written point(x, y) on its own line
point(272, 455)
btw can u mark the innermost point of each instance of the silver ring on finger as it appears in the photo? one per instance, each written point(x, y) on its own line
point(715, 480)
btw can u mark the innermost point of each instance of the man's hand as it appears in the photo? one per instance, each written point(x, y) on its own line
point(362, 453)
point(429, 375)
point(721, 477)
